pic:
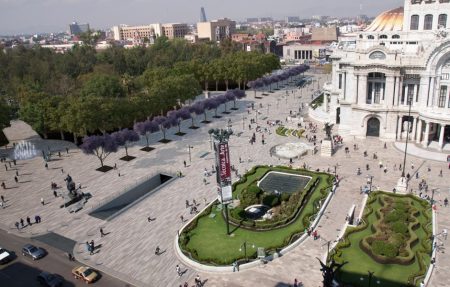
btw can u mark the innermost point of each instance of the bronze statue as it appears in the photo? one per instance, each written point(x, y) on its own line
point(328, 128)
point(328, 272)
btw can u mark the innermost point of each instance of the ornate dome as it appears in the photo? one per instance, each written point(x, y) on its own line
point(391, 20)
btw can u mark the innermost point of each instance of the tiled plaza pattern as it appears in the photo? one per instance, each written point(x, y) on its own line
point(128, 250)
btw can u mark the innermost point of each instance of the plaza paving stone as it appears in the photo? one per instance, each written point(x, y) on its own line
point(128, 250)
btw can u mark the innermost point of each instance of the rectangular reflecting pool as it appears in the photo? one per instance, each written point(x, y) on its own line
point(122, 202)
point(283, 182)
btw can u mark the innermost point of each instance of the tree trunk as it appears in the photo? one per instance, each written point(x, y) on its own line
point(192, 122)
point(226, 84)
point(255, 93)
point(62, 134)
point(179, 128)
point(204, 115)
point(217, 86)
point(146, 137)
point(101, 161)
point(164, 134)
point(45, 135)
point(206, 85)
point(74, 138)
point(126, 150)
point(239, 84)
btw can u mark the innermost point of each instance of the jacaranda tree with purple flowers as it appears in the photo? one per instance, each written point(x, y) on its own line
point(145, 129)
point(195, 110)
point(181, 115)
point(100, 146)
point(124, 138)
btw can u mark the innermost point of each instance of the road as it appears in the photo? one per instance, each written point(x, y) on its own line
point(22, 271)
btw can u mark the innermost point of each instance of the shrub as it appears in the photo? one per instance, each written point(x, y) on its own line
point(248, 198)
point(254, 189)
point(400, 227)
point(384, 248)
point(271, 200)
point(285, 196)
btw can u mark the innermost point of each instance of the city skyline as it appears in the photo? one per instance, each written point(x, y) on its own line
point(29, 17)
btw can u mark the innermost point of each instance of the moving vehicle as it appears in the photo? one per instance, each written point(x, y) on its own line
point(34, 252)
point(50, 280)
point(87, 274)
point(5, 256)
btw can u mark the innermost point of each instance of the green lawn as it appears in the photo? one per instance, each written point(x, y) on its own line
point(389, 275)
point(209, 243)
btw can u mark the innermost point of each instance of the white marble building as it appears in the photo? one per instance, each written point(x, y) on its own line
point(404, 54)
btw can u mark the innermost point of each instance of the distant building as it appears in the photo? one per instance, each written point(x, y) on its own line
point(76, 29)
point(202, 15)
point(265, 19)
point(304, 53)
point(292, 19)
point(324, 34)
point(150, 32)
point(175, 30)
point(252, 20)
point(216, 30)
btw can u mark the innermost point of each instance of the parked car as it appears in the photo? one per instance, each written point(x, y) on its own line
point(85, 273)
point(5, 256)
point(34, 252)
point(50, 280)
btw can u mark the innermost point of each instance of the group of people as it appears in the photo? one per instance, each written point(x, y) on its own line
point(21, 223)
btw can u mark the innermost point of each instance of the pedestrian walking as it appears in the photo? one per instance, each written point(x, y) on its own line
point(29, 221)
point(17, 225)
point(46, 165)
point(182, 218)
point(22, 223)
point(101, 232)
point(115, 165)
point(6, 167)
point(2, 198)
point(157, 250)
point(91, 250)
point(67, 150)
point(3, 185)
point(440, 173)
point(87, 246)
point(16, 179)
point(17, 173)
point(178, 270)
point(55, 194)
point(36, 218)
point(14, 161)
point(2, 205)
point(445, 233)
point(62, 170)
point(198, 281)
point(42, 201)
point(59, 154)
point(446, 202)
point(235, 266)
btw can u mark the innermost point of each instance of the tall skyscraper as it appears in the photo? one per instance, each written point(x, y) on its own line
point(202, 15)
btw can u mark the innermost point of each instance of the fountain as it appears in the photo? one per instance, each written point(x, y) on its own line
point(24, 150)
point(258, 212)
point(291, 150)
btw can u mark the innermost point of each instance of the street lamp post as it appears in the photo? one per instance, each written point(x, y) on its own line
point(370, 277)
point(189, 150)
point(407, 135)
point(369, 181)
point(244, 247)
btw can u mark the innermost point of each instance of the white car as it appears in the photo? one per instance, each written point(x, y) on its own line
point(5, 256)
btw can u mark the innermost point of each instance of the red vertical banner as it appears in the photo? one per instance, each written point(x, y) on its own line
point(224, 163)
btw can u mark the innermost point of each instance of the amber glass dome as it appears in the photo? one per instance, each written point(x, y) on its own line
point(391, 20)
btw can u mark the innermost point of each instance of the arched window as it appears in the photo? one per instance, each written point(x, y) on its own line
point(383, 37)
point(442, 21)
point(370, 37)
point(395, 36)
point(414, 22)
point(428, 22)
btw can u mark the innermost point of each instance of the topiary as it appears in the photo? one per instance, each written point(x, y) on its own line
point(271, 200)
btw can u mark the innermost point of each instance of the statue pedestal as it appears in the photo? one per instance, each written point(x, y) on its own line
point(402, 185)
point(326, 148)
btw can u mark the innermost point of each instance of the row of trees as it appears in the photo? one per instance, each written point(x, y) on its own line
point(84, 92)
point(103, 145)
point(275, 79)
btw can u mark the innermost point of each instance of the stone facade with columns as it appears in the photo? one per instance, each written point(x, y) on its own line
point(396, 78)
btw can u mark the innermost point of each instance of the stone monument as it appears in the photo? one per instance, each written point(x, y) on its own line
point(327, 143)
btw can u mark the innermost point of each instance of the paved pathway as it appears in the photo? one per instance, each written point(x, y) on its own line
point(128, 250)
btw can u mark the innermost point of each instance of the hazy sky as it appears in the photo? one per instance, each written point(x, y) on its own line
point(31, 16)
